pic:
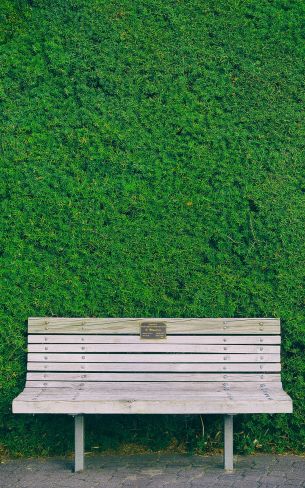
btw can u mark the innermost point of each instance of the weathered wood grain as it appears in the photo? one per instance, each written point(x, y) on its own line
point(185, 386)
point(154, 391)
point(165, 367)
point(157, 387)
point(46, 378)
point(61, 325)
point(135, 339)
point(74, 394)
point(220, 405)
point(154, 358)
point(155, 348)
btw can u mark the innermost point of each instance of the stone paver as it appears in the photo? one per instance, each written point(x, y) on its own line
point(155, 471)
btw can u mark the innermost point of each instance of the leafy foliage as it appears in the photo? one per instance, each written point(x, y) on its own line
point(152, 164)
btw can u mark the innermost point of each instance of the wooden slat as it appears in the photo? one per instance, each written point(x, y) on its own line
point(165, 367)
point(49, 377)
point(135, 339)
point(60, 325)
point(141, 398)
point(156, 386)
point(148, 390)
point(155, 358)
point(155, 348)
point(98, 396)
point(193, 406)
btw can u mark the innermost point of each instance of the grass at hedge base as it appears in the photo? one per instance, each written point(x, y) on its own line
point(152, 164)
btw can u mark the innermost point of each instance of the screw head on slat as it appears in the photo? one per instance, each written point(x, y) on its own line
point(45, 357)
point(83, 357)
point(262, 357)
point(224, 368)
point(225, 348)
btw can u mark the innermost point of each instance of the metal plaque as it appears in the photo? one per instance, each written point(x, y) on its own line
point(153, 330)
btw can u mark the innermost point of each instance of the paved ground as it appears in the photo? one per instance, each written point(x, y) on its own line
point(153, 471)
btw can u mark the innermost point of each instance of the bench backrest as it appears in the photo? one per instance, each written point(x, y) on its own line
point(73, 351)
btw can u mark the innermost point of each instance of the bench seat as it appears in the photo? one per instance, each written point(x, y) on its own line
point(80, 366)
point(155, 397)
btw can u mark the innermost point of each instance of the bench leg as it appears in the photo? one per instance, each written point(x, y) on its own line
point(79, 443)
point(228, 443)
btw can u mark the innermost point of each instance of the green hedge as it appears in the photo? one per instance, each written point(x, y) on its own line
point(152, 164)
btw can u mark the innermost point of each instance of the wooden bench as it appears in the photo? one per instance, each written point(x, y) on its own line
point(80, 366)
